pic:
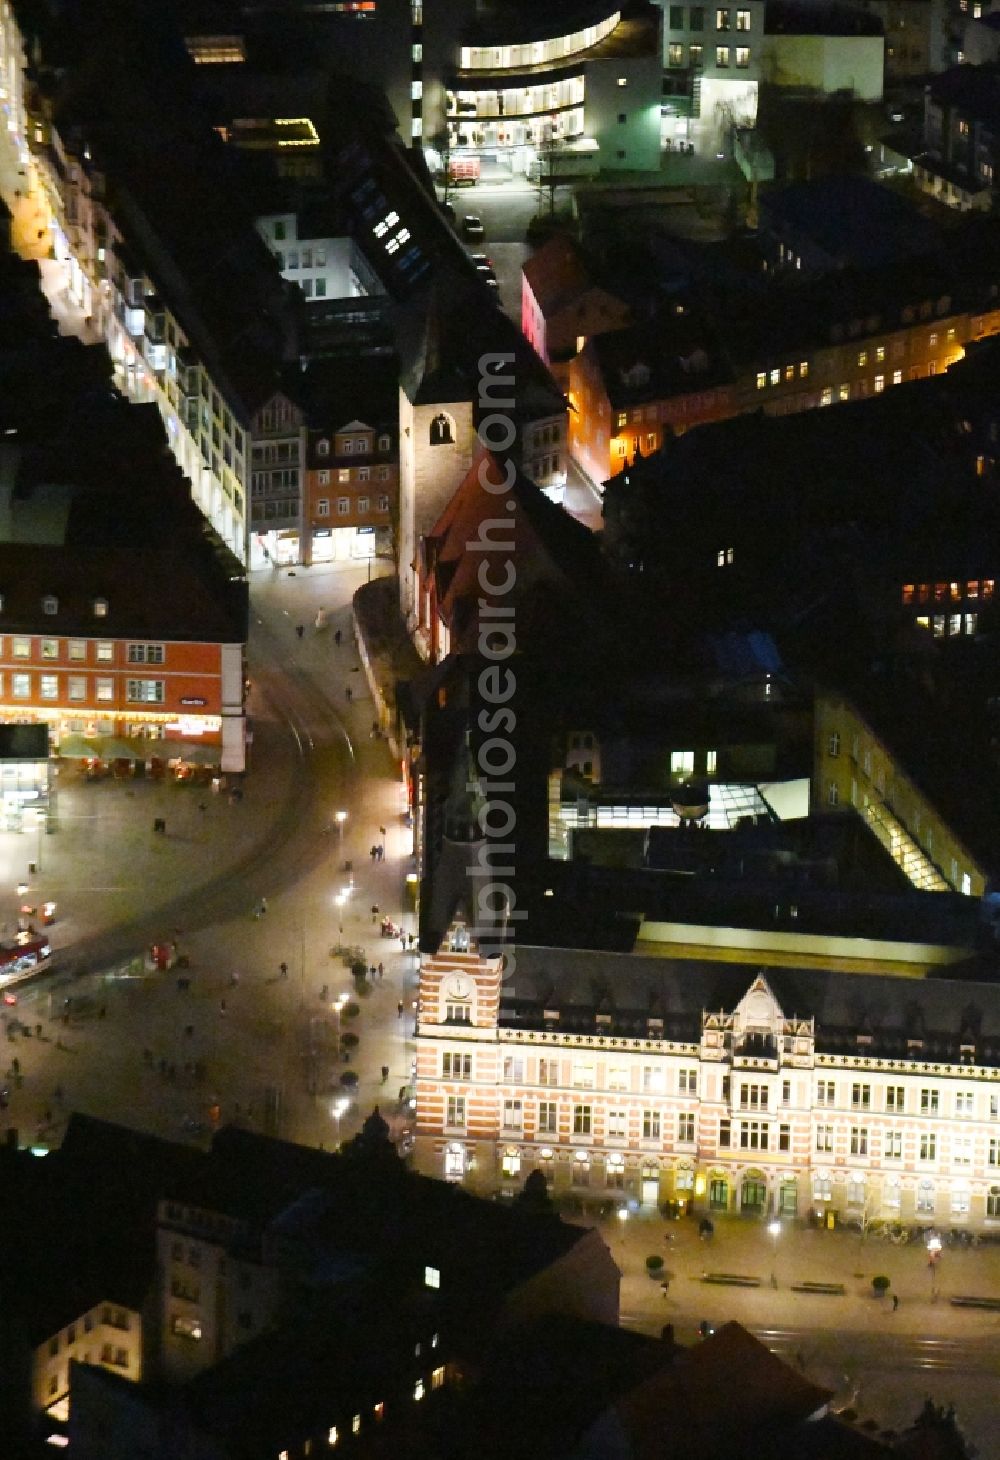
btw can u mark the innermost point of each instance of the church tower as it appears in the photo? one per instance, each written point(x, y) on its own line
point(437, 436)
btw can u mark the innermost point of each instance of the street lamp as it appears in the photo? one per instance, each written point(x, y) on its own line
point(340, 818)
point(774, 1228)
point(338, 1110)
point(933, 1257)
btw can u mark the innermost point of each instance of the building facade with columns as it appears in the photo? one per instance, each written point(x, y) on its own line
point(727, 1087)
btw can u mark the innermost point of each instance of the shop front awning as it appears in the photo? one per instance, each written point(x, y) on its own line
point(195, 752)
point(78, 747)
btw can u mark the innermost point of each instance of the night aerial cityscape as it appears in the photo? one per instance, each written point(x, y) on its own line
point(500, 729)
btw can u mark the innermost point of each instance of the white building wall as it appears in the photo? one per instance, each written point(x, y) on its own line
point(826, 63)
point(632, 144)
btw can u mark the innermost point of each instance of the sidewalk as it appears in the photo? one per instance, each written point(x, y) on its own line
point(800, 1254)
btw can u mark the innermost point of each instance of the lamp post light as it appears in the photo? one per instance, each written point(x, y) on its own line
point(338, 1110)
point(774, 1228)
point(340, 819)
point(933, 1258)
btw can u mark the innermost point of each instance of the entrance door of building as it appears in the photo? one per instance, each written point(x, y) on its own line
point(788, 1199)
point(753, 1196)
point(718, 1194)
point(650, 1187)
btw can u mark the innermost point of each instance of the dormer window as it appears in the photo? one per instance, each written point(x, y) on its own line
point(100, 608)
point(323, 448)
point(50, 604)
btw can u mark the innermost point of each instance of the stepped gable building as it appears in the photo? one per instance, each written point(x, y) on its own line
point(784, 1090)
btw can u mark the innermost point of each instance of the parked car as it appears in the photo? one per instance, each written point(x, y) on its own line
point(472, 226)
point(481, 258)
point(487, 272)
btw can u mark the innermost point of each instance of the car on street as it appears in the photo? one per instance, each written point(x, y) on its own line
point(472, 226)
point(487, 272)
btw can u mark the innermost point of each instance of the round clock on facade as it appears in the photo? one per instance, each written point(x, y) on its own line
point(457, 986)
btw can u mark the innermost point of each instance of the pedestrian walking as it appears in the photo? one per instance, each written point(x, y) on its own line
point(374, 912)
point(337, 638)
point(263, 906)
point(38, 1031)
point(15, 1065)
point(299, 630)
point(402, 941)
point(895, 1302)
point(385, 1073)
point(413, 939)
point(371, 972)
point(283, 969)
point(373, 853)
point(347, 692)
point(381, 851)
point(222, 1006)
point(381, 975)
point(399, 1008)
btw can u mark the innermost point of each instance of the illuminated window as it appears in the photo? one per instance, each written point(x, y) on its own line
point(879, 384)
point(743, 60)
point(50, 686)
point(22, 648)
point(803, 369)
point(789, 372)
point(378, 1410)
point(623, 81)
point(826, 398)
point(437, 1377)
point(681, 762)
point(50, 604)
point(722, 20)
point(332, 1436)
point(105, 690)
point(775, 377)
point(418, 1389)
point(761, 379)
point(432, 1277)
point(862, 359)
point(100, 608)
point(356, 1425)
point(722, 57)
point(971, 621)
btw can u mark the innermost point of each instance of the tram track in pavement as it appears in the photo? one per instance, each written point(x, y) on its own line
point(299, 836)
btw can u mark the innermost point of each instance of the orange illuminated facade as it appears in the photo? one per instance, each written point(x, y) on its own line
point(167, 692)
point(616, 412)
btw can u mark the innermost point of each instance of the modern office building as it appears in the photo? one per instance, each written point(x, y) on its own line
point(712, 56)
